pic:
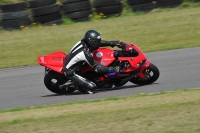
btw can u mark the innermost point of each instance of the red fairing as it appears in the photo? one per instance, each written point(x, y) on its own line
point(134, 61)
point(104, 56)
point(53, 61)
point(142, 57)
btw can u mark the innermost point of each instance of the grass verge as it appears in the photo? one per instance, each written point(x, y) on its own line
point(11, 1)
point(165, 112)
point(160, 29)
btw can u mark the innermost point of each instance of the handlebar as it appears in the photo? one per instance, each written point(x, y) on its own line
point(123, 46)
point(127, 50)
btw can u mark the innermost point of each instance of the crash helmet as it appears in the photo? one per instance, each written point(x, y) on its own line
point(92, 39)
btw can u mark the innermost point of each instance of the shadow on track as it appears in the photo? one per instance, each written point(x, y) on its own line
point(99, 90)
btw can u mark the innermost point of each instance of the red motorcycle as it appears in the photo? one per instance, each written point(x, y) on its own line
point(134, 68)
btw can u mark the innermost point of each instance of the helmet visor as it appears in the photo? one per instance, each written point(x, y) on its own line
point(95, 43)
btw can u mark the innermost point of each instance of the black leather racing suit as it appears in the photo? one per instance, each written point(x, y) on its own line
point(81, 53)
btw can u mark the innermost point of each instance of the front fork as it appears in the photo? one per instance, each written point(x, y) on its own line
point(145, 66)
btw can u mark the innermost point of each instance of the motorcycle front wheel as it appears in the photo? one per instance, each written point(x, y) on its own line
point(151, 75)
point(52, 80)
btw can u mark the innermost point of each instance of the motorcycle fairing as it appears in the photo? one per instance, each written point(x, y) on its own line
point(104, 56)
point(53, 61)
point(139, 62)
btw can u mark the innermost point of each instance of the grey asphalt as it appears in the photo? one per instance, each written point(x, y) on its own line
point(23, 86)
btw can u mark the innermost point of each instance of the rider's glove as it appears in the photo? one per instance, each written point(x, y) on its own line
point(115, 43)
point(121, 45)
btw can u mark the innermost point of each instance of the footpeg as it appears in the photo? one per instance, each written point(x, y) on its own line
point(113, 86)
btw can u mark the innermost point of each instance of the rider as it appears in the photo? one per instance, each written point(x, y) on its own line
point(82, 52)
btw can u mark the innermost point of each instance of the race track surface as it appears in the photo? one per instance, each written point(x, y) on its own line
point(22, 87)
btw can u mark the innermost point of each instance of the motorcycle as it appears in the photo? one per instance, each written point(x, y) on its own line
point(135, 68)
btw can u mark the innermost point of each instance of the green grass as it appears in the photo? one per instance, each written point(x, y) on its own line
point(160, 29)
point(11, 1)
point(169, 112)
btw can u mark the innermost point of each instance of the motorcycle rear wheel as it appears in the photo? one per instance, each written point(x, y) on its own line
point(151, 75)
point(52, 80)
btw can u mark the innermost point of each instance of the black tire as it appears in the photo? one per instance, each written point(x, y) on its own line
point(57, 22)
point(149, 79)
point(14, 15)
point(71, 1)
point(110, 9)
point(47, 18)
point(143, 7)
point(169, 3)
point(104, 3)
point(79, 14)
point(136, 2)
point(52, 80)
point(73, 7)
point(40, 3)
point(15, 23)
point(45, 10)
point(14, 7)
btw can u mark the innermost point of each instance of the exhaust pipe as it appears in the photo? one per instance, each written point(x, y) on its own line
point(84, 83)
point(67, 84)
